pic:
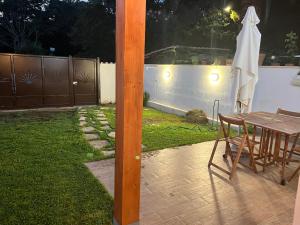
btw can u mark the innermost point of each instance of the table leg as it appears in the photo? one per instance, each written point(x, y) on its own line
point(286, 144)
point(277, 147)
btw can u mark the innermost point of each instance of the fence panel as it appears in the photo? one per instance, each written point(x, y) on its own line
point(28, 81)
point(56, 82)
point(85, 87)
point(6, 83)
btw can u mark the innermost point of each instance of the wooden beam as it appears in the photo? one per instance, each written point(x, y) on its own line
point(130, 44)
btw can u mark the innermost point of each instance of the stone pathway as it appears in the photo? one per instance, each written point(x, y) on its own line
point(91, 134)
point(88, 126)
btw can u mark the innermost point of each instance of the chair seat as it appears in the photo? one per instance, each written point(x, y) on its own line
point(237, 141)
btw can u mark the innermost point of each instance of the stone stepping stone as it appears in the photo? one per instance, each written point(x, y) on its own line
point(82, 118)
point(89, 130)
point(112, 134)
point(101, 118)
point(82, 123)
point(105, 128)
point(101, 115)
point(97, 144)
point(104, 122)
point(91, 137)
point(109, 153)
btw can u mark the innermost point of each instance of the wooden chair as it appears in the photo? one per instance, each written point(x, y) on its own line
point(241, 142)
point(294, 148)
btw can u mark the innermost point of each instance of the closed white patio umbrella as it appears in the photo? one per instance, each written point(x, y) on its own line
point(245, 62)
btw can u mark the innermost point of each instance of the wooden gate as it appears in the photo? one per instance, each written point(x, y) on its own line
point(28, 81)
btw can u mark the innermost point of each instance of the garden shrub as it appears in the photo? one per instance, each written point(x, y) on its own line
point(196, 116)
point(146, 98)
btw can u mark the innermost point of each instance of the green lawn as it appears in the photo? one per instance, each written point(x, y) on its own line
point(43, 179)
point(162, 130)
point(42, 176)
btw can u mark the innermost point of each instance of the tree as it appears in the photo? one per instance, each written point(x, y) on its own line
point(57, 23)
point(94, 30)
point(19, 24)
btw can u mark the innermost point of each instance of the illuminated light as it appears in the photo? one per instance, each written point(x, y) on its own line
point(167, 75)
point(227, 9)
point(214, 77)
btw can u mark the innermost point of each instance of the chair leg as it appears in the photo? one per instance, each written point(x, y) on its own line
point(294, 174)
point(213, 153)
point(237, 159)
point(292, 149)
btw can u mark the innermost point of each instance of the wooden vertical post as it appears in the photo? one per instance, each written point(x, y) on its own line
point(130, 44)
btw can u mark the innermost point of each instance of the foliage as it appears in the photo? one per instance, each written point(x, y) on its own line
point(94, 31)
point(162, 130)
point(196, 116)
point(291, 43)
point(19, 23)
point(146, 98)
point(43, 179)
point(218, 25)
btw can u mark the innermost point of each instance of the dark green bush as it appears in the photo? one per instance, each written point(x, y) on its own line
point(196, 116)
point(146, 98)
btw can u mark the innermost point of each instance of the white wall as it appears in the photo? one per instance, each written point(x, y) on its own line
point(107, 83)
point(189, 87)
point(179, 88)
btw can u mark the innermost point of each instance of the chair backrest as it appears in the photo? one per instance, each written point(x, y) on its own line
point(232, 121)
point(288, 113)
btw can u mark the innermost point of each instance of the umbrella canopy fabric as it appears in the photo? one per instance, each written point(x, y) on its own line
point(245, 62)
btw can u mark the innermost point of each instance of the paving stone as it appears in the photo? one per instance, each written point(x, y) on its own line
point(109, 153)
point(106, 128)
point(88, 130)
point(82, 118)
point(102, 118)
point(82, 123)
point(97, 144)
point(104, 122)
point(112, 134)
point(91, 137)
point(101, 115)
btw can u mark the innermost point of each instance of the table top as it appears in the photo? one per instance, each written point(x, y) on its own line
point(281, 123)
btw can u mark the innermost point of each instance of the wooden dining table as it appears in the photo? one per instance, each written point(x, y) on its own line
point(280, 125)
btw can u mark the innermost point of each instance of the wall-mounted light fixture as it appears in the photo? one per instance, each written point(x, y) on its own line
point(227, 9)
point(167, 75)
point(214, 76)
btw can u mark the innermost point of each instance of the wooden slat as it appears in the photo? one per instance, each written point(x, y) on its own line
point(281, 123)
point(130, 42)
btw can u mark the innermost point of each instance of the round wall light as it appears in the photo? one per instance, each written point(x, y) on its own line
point(214, 77)
point(167, 75)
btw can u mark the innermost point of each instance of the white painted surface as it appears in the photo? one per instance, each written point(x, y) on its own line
point(184, 87)
point(107, 83)
point(189, 87)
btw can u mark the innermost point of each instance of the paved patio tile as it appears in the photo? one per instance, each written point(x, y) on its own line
point(178, 188)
